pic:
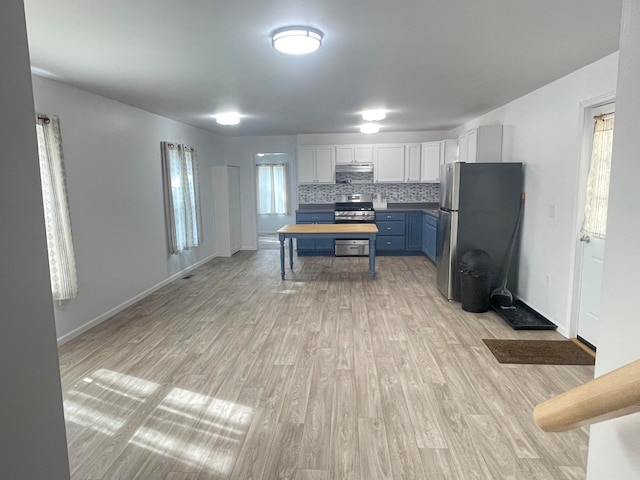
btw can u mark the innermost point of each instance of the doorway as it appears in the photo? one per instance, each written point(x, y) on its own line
point(274, 196)
point(598, 134)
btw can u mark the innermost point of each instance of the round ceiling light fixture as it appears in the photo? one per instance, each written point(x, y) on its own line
point(369, 128)
point(297, 40)
point(228, 118)
point(373, 115)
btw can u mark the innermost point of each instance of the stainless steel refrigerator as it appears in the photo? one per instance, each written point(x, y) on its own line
point(479, 209)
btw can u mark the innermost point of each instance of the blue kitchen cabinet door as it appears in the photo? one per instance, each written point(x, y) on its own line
point(429, 228)
point(414, 231)
point(320, 246)
point(325, 244)
point(425, 234)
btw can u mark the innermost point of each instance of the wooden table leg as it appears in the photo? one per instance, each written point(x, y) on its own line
point(282, 255)
point(372, 256)
point(291, 252)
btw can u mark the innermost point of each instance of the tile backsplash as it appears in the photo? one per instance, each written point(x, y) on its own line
point(393, 192)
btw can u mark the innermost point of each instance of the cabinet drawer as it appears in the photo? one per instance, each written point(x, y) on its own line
point(394, 216)
point(385, 242)
point(324, 217)
point(391, 228)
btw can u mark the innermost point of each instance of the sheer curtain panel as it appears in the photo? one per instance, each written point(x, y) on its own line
point(272, 189)
point(181, 197)
point(598, 182)
point(62, 263)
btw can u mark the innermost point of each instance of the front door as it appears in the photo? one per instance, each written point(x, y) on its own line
point(593, 233)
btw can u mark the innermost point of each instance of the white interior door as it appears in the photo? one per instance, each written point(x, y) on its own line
point(592, 240)
point(590, 288)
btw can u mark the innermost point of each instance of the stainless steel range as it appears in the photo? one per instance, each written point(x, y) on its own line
point(353, 208)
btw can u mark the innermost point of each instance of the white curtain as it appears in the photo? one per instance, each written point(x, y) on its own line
point(182, 198)
point(598, 182)
point(272, 189)
point(62, 263)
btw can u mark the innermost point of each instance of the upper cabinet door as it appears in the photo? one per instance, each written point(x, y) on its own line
point(412, 162)
point(306, 165)
point(472, 146)
point(482, 144)
point(344, 154)
point(354, 154)
point(431, 155)
point(449, 151)
point(363, 153)
point(463, 147)
point(389, 163)
point(325, 164)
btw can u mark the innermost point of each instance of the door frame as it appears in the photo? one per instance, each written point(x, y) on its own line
point(586, 142)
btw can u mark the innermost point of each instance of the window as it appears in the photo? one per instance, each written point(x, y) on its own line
point(62, 264)
point(182, 199)
point(272, 189)
point(599, 172)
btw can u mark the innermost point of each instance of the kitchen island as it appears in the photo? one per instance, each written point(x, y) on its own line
point(334, 231)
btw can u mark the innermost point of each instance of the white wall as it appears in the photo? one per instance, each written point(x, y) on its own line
point(241, 151)
point(614, 448)
point(32, 432)
point(544, 131)
point(271, 223)
point(112, 158)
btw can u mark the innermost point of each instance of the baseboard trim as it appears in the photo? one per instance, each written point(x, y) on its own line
point(110, 313)
point(584, 346)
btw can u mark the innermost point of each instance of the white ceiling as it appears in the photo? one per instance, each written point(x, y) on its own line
point(433, 64)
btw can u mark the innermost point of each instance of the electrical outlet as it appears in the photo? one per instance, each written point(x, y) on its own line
point(552, 211)
point(547, 281)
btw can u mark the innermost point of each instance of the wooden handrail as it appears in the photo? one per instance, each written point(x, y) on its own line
point(612, 395)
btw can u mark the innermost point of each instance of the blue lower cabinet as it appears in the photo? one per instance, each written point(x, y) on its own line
point(391, 228)
point(414, 231)
point(325, 244)
point(306, 244)
point(390, 243)
point(320, 246)
point(429, 228)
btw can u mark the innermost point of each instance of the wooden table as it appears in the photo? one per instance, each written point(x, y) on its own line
point(365, 231)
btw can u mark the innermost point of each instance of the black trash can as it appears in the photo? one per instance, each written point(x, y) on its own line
point(474, 269)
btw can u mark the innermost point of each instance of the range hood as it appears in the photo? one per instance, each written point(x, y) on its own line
point(354, 168)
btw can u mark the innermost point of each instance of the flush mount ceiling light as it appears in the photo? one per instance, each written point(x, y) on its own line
point(297, 40)
point(228, 118)
point(373, 115)
point(369, 128)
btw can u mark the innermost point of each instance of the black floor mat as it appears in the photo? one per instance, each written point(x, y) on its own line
point(523, 317)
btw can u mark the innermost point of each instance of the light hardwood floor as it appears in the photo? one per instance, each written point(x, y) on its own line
point(232, 373)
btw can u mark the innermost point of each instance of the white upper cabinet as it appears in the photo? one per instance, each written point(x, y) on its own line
point(388, 163)
point(363, 153)
point(431, 160)
point(325, 164)
point(354, 154)
point(316, 164)
point(482, 144)
point(344, 154)
point(412, 165)
point(306, 165)
point(449, 151)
